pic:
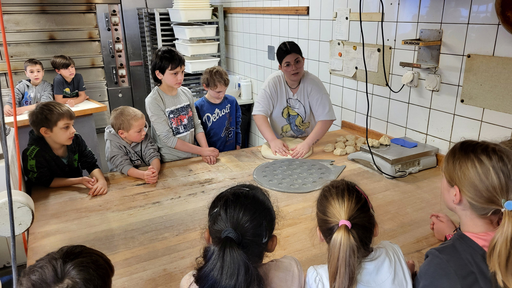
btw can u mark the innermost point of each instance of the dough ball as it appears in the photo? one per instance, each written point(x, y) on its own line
point(360, 141)
point(351, 137)
point(384, 140)
point(340, 145)
point(374, 143)
point(358, 147)
point(340, 152)
point(350, 149)
point(341, 139)
point(350, 143)
point(329, 148)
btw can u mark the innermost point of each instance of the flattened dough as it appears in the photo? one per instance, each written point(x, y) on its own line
point(291, 142)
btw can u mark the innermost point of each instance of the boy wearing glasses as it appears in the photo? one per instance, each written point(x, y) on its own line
point(129, 147)
point(295, 102)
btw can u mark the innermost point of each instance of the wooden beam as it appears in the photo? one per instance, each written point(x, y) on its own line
point(368, 17)
point(297, 10)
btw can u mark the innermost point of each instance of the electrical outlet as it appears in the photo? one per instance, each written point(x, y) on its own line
point(271, 50)
point(433, 82)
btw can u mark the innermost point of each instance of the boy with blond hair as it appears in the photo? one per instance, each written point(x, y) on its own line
point(32, 91)
point(170, 107)
point(68, 86)
point(220, 114)
point(56, 154)
point(129, 147)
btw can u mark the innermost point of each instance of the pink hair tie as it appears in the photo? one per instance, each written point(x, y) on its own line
point(345, 222)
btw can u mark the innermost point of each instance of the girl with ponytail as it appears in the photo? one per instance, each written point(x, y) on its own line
point(346, 221)
point(477, 186)
point(241, 223)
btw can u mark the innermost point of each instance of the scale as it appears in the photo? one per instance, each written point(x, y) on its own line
point(395, 159)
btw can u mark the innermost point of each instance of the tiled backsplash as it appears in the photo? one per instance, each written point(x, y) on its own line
point(437, 118)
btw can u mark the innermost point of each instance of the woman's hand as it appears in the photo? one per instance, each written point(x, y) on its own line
point(301, 150)
point(279, 147)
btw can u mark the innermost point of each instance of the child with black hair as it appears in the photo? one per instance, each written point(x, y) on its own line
point(170, 107)
point(241, 223)
point(74, 266)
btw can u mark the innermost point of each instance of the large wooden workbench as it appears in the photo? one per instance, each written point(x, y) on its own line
point(154, 233)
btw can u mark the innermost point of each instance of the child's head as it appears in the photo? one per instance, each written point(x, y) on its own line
point(64, 65)
point(347, 223)
point(215, 80)
point(507, 144)
point(34, 71)
point(241, 223)
point(69, 267)
point(129, 123)
point(168, 65)
point(52, 119)
point(482, 172)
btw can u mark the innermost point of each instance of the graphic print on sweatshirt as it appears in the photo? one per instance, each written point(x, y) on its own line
point(181, 119)
point(228, 132)
point(28, 97)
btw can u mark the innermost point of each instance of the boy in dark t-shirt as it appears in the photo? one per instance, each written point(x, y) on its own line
point(68, 86)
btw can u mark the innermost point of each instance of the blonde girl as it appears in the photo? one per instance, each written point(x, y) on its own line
point(346, 221)
point(477, 186)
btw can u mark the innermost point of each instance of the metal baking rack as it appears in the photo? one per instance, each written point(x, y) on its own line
point(156, 31)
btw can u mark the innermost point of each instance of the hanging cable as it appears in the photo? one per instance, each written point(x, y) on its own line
point(5, 150)
point(366, 90)
point(383, 64)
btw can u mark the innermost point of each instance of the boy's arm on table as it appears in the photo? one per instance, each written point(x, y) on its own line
point(8, 111)
point(318, 132)
point(100, 184)
point(209, 154)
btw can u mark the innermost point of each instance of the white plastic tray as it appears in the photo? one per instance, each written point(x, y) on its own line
point(187, 14)
point(182, 31)
point(196, 64)
point(189, 49)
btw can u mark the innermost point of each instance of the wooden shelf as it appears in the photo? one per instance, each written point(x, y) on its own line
point(297, 10)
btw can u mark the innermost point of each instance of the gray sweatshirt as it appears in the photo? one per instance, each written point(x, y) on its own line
point(122, 156)
point(27, 94)
point(173, 118)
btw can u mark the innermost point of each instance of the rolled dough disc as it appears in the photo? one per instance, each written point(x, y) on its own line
point(291, 142)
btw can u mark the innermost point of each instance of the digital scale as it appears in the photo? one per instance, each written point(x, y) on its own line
point(396, 160)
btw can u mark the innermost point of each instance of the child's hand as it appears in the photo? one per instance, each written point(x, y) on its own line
point(8, 110)
point(88, 182)
point(210, 159)
point(442, 225)
point(150, 175)
point(237, 147)
point(412, 268)
point(71, 103)
point(99, 188)
point(209, 152)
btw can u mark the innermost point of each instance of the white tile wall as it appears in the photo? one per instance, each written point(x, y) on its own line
point(439, 119)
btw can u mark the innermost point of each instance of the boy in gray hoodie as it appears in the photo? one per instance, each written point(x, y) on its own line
point(30, 92)
point(129, 147)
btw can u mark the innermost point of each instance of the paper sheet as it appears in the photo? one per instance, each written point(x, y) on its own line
point(372, 59)
point(341, 26)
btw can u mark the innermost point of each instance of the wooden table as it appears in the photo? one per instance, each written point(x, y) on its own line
point(154, 233)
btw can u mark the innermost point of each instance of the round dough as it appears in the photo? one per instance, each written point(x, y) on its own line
point(350, 143)
point(341, 139)
point(351, 137)
point(340, 145)
point(350, 149)
point(329, 148)
point(291, 142)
